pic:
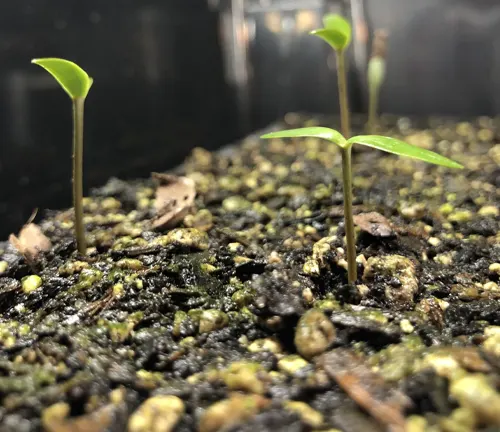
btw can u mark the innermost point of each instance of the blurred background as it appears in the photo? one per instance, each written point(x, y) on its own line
point(174, 74)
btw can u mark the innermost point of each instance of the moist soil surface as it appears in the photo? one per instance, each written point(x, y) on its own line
point(240, 318)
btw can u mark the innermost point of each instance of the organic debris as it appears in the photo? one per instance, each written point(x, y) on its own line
point(368, 389)
point(30, 242)
point(174, 198)
point(374, 224)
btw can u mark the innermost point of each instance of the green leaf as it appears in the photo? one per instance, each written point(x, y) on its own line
point(337, 32)
point(72, 78)
point(310, 132)
point(401, 148)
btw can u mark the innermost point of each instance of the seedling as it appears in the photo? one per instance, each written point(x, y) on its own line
point(75, 81)
point(337, 33)
point(376, 75)
point(390, 145)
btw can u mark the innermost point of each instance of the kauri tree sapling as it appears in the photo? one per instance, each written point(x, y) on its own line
point(390, 145)
point(337, 33)
point(376, 75)
point(75, 81)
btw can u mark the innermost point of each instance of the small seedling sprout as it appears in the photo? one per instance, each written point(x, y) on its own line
point(376, 75)
point(390, 145)
point(337, 33)
point(76, 83)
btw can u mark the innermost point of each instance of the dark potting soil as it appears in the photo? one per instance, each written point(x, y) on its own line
point(240, 318)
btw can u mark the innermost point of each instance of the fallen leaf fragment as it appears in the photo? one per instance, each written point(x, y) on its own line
point(174, 197)
point(375, 224)
point(31, 242)
point(368, 389)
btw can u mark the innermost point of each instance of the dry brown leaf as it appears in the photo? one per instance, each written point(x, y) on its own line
point(366, 388)
point(174, 198)
point(31, 242)
point(375, 224)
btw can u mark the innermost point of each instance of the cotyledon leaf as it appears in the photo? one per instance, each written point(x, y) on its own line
point(401, 148)
point(72, 78)
point(310, 132)
point(337, 32)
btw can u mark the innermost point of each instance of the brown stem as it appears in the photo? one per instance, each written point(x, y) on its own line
point(78, 108)
point(345, 123)
point(379, 45)
point(352, 270)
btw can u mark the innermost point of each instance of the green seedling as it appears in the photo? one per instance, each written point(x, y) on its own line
point(376, 75)
point(75, 81)
point(337, 33)
point(390, 145)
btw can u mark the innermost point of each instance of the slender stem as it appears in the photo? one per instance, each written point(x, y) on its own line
point(372, 108)
point(345, 123)
point(352, 271)
point(78, 108)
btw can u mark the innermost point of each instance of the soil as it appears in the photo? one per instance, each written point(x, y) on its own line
point(240, 318)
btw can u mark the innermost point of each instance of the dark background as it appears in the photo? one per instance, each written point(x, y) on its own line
point(163, 83)
point(158, 91)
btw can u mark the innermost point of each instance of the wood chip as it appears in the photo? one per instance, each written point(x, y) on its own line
point(375, 224)
point(366, 388)
point(174, 198)
point(31, 242)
